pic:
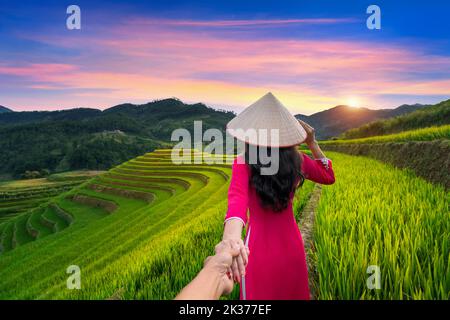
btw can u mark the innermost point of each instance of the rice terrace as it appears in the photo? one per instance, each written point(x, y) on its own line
point(241, 151)
point(126, 228)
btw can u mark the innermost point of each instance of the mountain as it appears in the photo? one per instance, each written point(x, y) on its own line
point(332, 122)
point(93, 139)
point(423, 117)
point(406, 108)
point(23, 117)
point(85, 138)
point(5, 109)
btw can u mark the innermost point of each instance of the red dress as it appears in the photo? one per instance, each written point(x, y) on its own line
point(277, 263)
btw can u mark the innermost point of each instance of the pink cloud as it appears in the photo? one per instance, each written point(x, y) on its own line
point(243, 23)
point(147, 59)
point(36, 70)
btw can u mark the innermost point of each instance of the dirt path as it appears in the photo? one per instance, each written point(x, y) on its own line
point(306, 225)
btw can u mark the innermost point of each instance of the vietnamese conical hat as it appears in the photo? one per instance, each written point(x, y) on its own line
point(264, 116)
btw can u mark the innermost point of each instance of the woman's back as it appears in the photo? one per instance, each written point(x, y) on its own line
point(274, 239)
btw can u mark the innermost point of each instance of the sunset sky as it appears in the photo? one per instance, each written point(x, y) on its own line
point(312, 55)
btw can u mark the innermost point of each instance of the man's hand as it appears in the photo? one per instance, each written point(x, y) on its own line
point(228, 253)
point(215, 278)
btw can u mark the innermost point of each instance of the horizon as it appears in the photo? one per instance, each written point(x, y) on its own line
point(311, 55)
point(209, 106)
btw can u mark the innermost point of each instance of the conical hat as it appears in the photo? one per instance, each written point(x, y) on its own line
point(264, 115)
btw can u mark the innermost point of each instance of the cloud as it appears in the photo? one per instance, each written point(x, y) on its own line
point(244, 23)
point(36, 70)
point(145, 59)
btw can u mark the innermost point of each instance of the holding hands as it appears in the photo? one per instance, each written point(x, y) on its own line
point(230, 261)
point(216, 277)
point(240, 261)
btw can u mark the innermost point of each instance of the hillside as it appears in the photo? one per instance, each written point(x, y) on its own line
point(119, 217)
point(85, 138)
point(143, 230)
point(334, 121)
point(93, 139)
point(5, 110)
point(19, 196)
point(435, 115)
point(156, 119)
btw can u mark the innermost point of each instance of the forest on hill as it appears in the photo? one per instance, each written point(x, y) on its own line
point(84, 138)
point(434, 115)
point(92, 139)
point(333, 122)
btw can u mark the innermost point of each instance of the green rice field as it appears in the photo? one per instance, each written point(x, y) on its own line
point(423, 134)
point(143, 229)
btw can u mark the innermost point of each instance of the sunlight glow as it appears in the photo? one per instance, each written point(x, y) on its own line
point(353, 102)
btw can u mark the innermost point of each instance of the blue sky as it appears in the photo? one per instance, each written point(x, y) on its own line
point(311, 54)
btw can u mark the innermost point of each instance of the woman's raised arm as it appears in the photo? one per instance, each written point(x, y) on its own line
point(320, 169)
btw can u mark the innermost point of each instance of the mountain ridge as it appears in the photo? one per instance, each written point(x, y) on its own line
point(5, 109)
point(69, 139)
point(328, 123)
point(435, 115)
point(165, 107)
point(334, 121)
point(86, 138)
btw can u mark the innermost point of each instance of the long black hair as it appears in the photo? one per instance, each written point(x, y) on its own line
point(274, 191)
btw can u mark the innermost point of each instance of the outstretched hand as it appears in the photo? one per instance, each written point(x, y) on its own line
point(240, 261)
point(228, 261)
point(215, 279)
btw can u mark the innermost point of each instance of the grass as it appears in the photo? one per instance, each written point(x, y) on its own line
point(20, 196)
point(301, 198)
point(425, 134)
point(378, 215)
point(151, 250)
point(132, 250)
point(436, 115)
point(96, 243)
point(26, 183)
point(74, 175)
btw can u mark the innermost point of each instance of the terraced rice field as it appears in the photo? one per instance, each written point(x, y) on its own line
point(378, 215)
point(423, 134)
point(126, 213)
point(143, 229)
point(16, 200)
point(26, 209)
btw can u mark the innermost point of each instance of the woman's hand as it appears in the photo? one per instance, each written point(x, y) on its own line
point(310, 133)
point(221, 263)
point(311, 140)
point(240, 261)
point(214, 280)
point(233, 231)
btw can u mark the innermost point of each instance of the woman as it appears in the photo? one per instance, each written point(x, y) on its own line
point(276, 265)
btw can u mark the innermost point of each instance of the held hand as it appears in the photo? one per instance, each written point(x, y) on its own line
point(221, 263)
point(310, 133)
point(214, 279)
point(240, 261)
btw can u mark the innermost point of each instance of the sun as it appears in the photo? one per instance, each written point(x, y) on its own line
point(353, 102)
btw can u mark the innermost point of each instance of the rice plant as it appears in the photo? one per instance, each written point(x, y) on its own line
point(425, 134)
point(378, 215)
